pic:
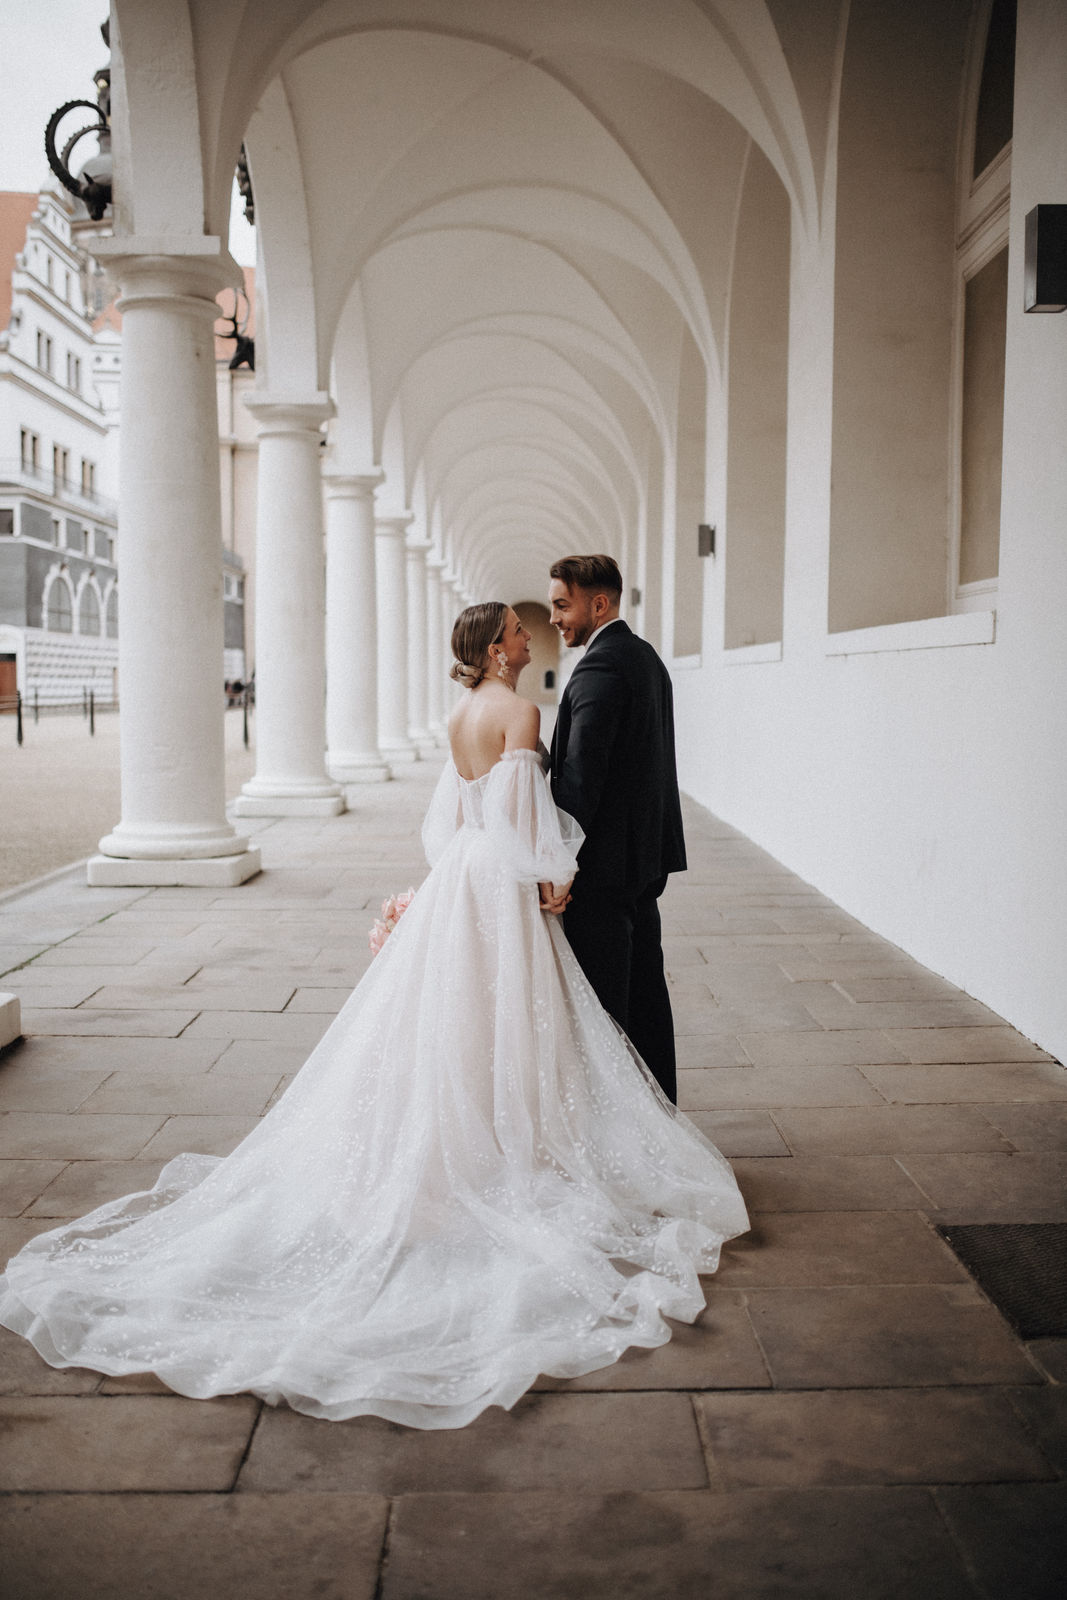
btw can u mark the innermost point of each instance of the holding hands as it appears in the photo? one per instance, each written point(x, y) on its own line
point(554, 897)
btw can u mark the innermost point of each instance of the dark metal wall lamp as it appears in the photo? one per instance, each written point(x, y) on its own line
point(1045, 262)
point(705, 539)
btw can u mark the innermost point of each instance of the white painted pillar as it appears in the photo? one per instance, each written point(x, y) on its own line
point(435, 651)
point(452, 605)
point(352, 630)
point(393, 740)
point(418, 648)
point(173, 828)
point(291, 779)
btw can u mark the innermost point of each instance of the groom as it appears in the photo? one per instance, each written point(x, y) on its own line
point(613, 769)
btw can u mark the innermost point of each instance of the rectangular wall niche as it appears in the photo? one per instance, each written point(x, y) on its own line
point(984, 332)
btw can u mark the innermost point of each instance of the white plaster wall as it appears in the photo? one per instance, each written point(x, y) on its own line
point(924, 789)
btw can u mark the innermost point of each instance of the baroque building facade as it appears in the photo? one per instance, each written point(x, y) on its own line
point(58, 527)
point(734, 291)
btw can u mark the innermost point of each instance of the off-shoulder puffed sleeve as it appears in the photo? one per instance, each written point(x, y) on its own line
point(534, 838)
point(444, 815)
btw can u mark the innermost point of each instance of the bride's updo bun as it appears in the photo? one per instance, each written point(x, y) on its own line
point(475, 630)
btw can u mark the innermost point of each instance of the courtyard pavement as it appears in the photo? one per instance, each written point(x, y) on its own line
point(850, 1419)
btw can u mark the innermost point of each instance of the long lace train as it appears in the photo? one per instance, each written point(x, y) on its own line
point(470, 1182)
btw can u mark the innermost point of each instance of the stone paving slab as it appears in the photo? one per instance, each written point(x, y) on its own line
point(824, 1430)
point(824, 1544)
point(115, 1443)
point(206, 1135)
point(84, 1185)
point(827, 1183)
point(185, 1547)
point(107, 1024)
point(876, 1436)
point(199, 1093)
point(1014, 1536)
point(885, 1336)
point(887, 1129)
point(588, 1443)
point(827, 1248)
point(46, 1135)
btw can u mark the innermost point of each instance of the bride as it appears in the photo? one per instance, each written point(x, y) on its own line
point(471, 1181)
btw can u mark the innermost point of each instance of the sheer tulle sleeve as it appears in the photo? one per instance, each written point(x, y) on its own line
point(537, 840)
point(444, 816)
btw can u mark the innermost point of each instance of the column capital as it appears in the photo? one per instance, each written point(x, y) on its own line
point(293, 414)
point(394, 526)
point(352, 485)
point(162, 267)
point(419, 548)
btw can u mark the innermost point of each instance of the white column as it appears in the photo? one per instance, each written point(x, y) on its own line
point(451, 606)
point(173, 828)
point(435, 650)
point(352, 631)
point(418, 648)
point(392, 590)
point(291, 779)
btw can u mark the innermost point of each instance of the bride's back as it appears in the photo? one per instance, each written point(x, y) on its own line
point(489, 720)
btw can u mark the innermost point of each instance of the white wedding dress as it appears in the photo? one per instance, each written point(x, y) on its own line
point(471, 1181)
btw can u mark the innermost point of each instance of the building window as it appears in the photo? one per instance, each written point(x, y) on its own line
point(7, 521)
point(89, 611)
point(55, 531)
point(59, 615)
point(66, 287)
point(44, 352)
point(74, 373)
point(60, 466)
point(29, 450)
point(113, 613)
point(48, 270)
point(88, 477)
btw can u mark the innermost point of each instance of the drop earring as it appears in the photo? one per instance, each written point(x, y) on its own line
point(502, 669)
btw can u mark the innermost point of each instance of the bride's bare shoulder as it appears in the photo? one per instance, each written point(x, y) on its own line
point(522, 727)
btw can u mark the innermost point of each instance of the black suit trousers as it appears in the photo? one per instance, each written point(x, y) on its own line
point(616, 938)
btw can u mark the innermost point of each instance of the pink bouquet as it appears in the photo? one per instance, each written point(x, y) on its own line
point(392, 911)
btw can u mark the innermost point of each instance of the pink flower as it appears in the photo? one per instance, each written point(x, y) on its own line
point(392, 910)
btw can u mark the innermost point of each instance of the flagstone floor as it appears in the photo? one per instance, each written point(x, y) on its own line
point(850, 1419)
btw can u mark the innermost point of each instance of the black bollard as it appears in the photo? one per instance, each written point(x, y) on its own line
point(244, 703)
point(18, 716)
point(36, 706)
point(92, 713)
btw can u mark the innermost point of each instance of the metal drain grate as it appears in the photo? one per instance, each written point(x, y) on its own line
point(1022, 1266)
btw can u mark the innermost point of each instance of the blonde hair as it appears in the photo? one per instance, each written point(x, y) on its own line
point(473, 632)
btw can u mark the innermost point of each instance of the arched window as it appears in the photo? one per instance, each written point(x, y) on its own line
point(113, 613)
point(89, 611)
point(59, 610)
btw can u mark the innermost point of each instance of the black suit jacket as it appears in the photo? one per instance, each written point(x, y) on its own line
point(613, 764)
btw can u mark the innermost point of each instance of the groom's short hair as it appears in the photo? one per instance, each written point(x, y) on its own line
point(600, 573)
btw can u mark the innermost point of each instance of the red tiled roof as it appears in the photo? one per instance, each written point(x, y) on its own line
point(16, 209)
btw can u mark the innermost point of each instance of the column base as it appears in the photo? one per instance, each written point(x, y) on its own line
point(211, 872)
point(426, 745)
point(399, 753)
point(10, 1020)
point(348, 770)
point(289, 805)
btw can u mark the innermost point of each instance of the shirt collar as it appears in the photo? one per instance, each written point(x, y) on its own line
point(599, 630)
